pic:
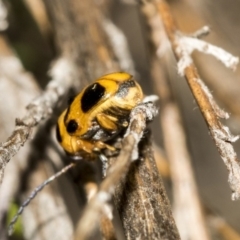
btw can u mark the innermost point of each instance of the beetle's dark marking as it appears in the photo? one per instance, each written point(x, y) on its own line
point(58, 135)
point(72, 126)
point(91, 96)
point(124, 88)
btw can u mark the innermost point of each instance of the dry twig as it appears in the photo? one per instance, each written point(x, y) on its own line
point(187, 208)
point(210, 110)
point(142, 202)
point(117, 171)
point(62, 74)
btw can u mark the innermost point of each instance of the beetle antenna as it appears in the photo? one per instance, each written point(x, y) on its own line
point(34, 193)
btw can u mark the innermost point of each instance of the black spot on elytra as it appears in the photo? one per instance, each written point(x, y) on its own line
point(58, 135)
point(72, 126)
point(91, 96)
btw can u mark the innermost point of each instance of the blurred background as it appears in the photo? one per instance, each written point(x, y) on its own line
point(30, 36)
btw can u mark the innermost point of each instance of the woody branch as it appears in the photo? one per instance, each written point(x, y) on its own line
point(99, 204)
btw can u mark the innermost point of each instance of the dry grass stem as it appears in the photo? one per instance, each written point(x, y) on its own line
point(107, 228)
point(120, 46)
point(187, 208)
point(38, 11)
point(161, 161)
point(211, 113)
point(3, 16)
point(221, 227)
point(99, 204)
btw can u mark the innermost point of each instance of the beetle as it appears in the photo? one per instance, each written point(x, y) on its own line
point(97, 114)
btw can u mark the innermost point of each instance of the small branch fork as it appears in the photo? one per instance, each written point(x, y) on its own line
point(99, 204)
point(183, 46)
point(62, 78)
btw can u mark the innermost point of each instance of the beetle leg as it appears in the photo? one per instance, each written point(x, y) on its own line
point(101, 145)
point(107, 122)
point(80, 145)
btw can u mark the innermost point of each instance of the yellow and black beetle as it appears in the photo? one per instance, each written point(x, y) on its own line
point(99, 112)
